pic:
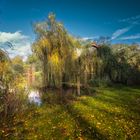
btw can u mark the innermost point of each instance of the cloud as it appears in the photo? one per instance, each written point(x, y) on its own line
point(119, 32)
point(90, 38)
point(137, 36)
point(21, 43)
point(4, 36)
point(132, 20)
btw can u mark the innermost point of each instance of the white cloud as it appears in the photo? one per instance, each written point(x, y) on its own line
point(130, 19)
point(21, 43)
point(88, 38)
point(137, 36)
point(120, 32)
point(4, 36)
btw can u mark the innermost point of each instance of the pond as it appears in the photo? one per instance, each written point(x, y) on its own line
point(34, 97)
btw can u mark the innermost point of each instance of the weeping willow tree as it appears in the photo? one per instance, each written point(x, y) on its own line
point(107, 62)
point(118, 63)
point(55, 49)
point(128, 60)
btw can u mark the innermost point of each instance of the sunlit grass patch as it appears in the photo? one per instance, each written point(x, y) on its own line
point(46, 122)
point(112, 114)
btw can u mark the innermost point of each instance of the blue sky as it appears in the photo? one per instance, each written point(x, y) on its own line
point(118, 19)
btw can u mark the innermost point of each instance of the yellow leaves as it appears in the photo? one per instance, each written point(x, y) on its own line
point(55, 59)
point(35, 137)
point(80, 138)
point(7, 135)
point(43, 42)
point(55, 63)
point(54, 127)
point(4, 66)
point(98, 123)
point(41, 46)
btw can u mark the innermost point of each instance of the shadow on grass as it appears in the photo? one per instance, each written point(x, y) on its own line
point(126, 97)
point(87, 131)
point(110, 113)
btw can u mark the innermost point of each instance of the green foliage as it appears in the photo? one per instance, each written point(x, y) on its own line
point(12, 86)
point(98, 82)
point(18, 66)
point(119, 63)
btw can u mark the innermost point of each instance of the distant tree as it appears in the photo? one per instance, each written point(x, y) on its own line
point(18, 65)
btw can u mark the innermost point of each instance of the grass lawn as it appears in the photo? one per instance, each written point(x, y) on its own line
point(111, 113)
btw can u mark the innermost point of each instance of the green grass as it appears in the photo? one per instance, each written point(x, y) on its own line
point(112, 113)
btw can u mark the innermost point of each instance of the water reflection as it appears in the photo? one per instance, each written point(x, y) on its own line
point(34, 97)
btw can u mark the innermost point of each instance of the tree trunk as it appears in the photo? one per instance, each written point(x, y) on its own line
point(78, 85)
point(85, 76)
point(45, 73)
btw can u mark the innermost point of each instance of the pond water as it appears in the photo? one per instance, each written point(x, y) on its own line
point(34, 97)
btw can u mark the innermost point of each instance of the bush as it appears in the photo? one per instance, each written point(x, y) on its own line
point(12, 103)
point(100, 82)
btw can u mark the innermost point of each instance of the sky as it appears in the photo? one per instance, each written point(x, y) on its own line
point(88, 19)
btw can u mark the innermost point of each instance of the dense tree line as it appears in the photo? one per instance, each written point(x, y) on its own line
point(69, 61)
point(120, 63)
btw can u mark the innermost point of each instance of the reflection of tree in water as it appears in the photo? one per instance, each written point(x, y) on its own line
point(34, 97)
